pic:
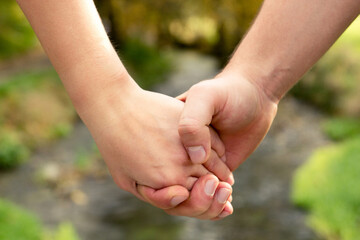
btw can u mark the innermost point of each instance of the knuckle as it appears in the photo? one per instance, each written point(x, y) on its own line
point(189, 126)
point(201, 87)
point(168, 178)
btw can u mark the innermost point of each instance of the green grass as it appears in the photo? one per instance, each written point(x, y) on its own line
point(34, 109)
point(328, 187)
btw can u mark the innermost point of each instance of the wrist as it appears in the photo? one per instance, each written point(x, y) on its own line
point(272, 81)
point(93, 102)
point(242, 82)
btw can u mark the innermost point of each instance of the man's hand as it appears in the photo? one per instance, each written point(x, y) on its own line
point(240, 112)
point(286, 39)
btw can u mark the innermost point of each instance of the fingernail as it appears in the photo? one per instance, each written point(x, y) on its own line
point(197, 154)
point(223, 195)
point(223, 214)
point(231, 179)
point(177, 200)
point(210, 187)
point(223, 158)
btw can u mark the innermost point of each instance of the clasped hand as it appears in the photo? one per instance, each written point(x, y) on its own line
point(165, 152)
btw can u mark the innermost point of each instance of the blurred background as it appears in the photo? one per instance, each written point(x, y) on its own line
point(302, 182)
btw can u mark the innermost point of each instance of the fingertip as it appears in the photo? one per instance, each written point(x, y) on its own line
point(211, 186)
point(231, 179)
point(177, 200)
point(228, 210)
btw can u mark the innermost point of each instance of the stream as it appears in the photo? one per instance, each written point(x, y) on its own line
point(100, 210)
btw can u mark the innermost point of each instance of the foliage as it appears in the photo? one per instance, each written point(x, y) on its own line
point(12, 151)
point(333, 84)
point(66, 231)
point(146, 64)
point(209, 25)
point(17, 223)
point(341, 128)
point(34, 109)
point(328, 186)
point(16, 35)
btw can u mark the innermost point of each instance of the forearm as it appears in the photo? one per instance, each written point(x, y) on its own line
point(287, 38)
point(74, 38)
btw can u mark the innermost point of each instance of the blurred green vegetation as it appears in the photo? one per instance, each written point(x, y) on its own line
point(19, 224)
point(333, 84)
point(65, 231)
point(207, 25)
point(341, 128)
point(146, 64)
point(328, 186)
point(34, 109)
point(16, 34)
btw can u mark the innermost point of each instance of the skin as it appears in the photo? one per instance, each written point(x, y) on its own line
point(286, 39)
point(135, 130)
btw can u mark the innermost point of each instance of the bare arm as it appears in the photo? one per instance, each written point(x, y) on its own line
point(139, 143)
point(286, 39)
point(75, 40)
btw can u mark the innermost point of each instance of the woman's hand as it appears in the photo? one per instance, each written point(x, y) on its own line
point(136, 133)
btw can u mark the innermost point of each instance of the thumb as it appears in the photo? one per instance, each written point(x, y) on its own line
point(164, 198)
point(201, 104)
